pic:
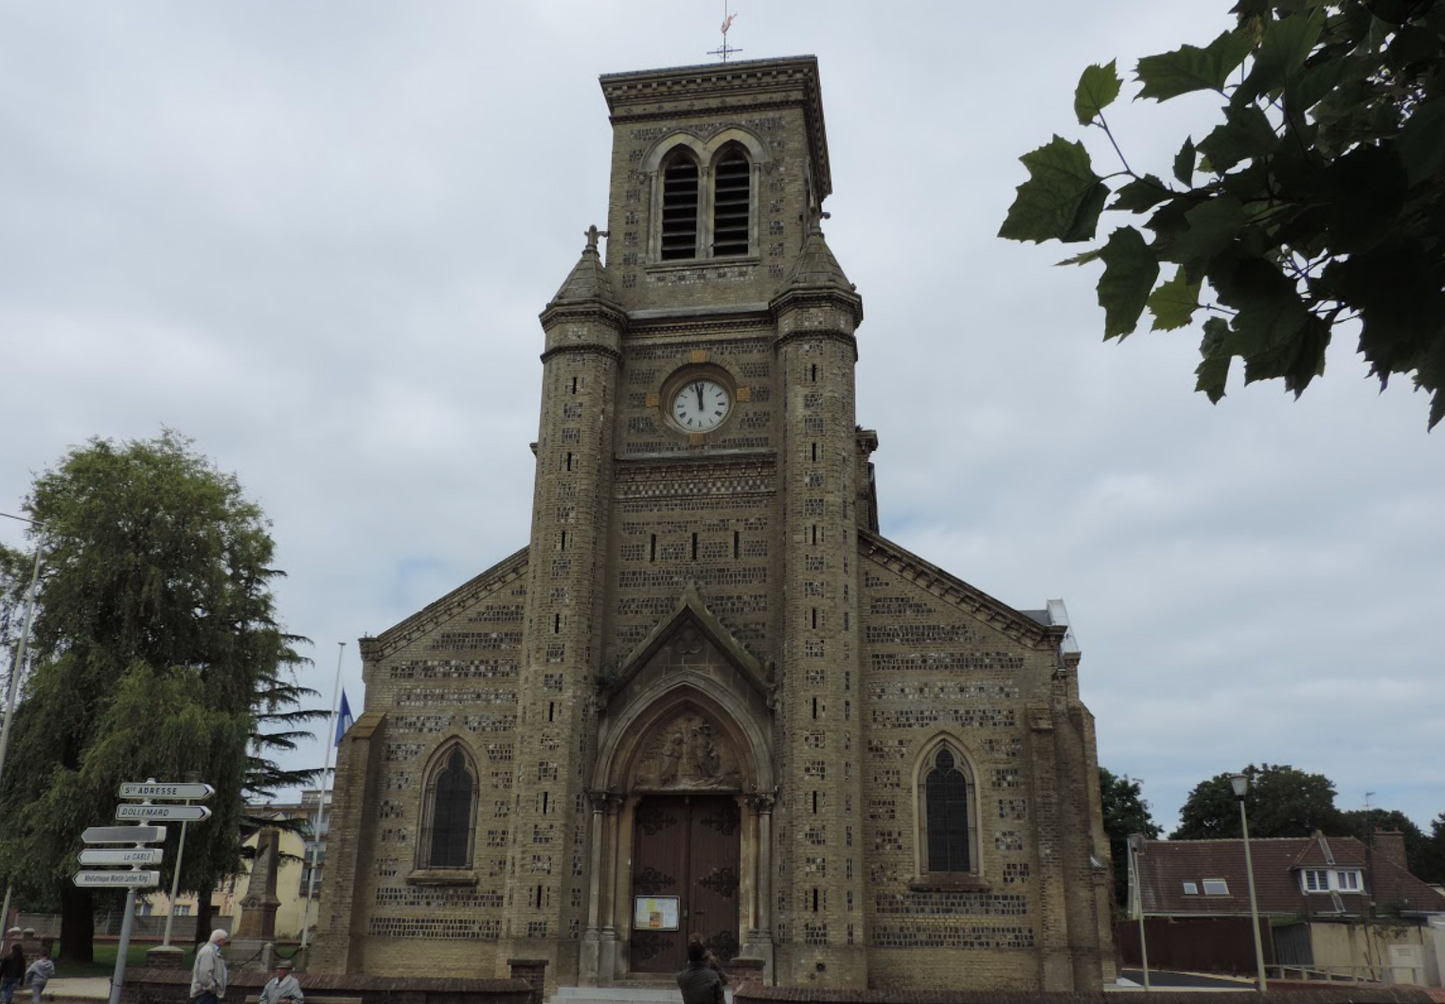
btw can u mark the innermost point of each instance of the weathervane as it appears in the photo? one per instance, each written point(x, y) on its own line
point(725, 50)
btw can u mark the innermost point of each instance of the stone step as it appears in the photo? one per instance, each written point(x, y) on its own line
point(649, 993)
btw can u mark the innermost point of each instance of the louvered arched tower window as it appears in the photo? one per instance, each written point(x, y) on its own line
point(679, 208)
point(732, 203)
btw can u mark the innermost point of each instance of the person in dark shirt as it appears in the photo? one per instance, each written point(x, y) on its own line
point(699, 983)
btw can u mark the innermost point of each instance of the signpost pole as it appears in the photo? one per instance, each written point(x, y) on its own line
point(175, 883)
point(127, 922)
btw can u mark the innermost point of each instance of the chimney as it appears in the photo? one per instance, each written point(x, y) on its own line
point(1390, 846)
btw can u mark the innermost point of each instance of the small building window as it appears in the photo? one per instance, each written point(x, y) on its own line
point(1191, 889)
point(732, 197)
point(1325, 880)
point(1347, 881)
point(449, 812)
point(679, 208)
point(1216, 887)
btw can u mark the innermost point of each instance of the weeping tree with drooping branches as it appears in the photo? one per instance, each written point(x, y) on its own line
point(157, 653)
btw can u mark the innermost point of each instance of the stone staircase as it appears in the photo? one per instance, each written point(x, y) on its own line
point(639, 992)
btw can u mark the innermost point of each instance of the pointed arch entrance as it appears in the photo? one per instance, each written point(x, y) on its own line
point(682, 805)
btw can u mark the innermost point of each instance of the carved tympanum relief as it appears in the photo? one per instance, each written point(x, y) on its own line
point(688, 753)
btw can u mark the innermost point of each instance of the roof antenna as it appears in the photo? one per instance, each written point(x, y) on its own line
point(725, 50)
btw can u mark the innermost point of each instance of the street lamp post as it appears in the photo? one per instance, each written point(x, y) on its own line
point(1240, 784)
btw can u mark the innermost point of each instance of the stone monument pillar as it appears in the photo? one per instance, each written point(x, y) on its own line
point(258, 908)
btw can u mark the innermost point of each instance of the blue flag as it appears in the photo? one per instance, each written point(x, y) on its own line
point(344, 719)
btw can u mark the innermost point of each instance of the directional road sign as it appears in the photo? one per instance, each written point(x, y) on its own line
point(173, 813)
point(166, 791)
point(124, 834)
point(118, 880)
point(122, 856)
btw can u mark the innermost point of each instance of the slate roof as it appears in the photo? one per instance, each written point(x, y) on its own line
point(1167, 864)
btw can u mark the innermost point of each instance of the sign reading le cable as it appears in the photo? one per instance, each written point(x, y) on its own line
point(121, 856)
point(172, 813)
point(178, 790)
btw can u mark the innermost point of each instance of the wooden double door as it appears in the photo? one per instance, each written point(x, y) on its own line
point(685, 852)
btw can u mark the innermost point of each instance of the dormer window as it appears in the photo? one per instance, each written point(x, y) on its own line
point(679, 208)
point(732, 191)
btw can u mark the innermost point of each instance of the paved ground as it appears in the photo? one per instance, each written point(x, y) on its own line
point(75, 987)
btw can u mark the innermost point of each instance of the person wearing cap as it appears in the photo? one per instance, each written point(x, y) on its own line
point(208, 976)
point(282, 988)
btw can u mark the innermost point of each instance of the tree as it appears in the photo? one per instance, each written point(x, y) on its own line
point(1431, 864)
point(1318, 202)
point(1281, 802)
point(1125, 812)
point(1363, 823)
point(156, 649)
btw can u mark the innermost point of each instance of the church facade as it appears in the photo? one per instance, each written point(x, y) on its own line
point(709, 697)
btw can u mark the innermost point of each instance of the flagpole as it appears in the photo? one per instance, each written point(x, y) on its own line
point(321, 799)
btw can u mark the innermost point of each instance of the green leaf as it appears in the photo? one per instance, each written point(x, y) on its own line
point(1141, 194)
point(1422, 142)
point(1062, 198)
point(1281, 54)
point(1173, 304)
point(1213, 371)
point(1245, 134)
point(1210, 227)
point(1184, 163)
point(1082, 259)
point(1298, 360)
point(1130, 269)
point(1269, 311)
point(1190, 68)
point(1098, 87)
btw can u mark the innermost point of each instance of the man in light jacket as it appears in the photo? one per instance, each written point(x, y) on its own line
point(208, 978)
point(282, 988)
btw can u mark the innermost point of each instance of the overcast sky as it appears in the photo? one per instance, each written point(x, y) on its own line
point(316, 236)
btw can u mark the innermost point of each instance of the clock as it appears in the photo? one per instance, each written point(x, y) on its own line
point(700, 404)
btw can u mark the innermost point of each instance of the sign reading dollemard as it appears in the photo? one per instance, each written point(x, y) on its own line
point(178, 790)
point(173, 813)
point(119, 880)
point(124, 834)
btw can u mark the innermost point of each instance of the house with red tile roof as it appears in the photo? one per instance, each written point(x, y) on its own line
point(1330, 904)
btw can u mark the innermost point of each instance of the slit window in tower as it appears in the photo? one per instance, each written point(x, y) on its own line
point(815, 899)
point(815, 803)
point(556, 623)
point(569, 461)
point(813, 372)
point(731, 194)
point(694, 547)
point(652, 550)
point(737, 545)
point(551, 710)
point(815, 453)
point(815, 707)
point(563, 541)
point(815, 618)
point(574, 385)
point(679, 210)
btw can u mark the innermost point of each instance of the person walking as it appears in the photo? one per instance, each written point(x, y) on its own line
point(208, 976)
point(12, 971)
point(282, 988)
point(700, 984)
point(39, 973)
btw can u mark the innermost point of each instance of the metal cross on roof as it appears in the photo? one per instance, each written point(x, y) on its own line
point(724, 51)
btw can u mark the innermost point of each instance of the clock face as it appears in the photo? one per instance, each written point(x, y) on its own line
point(700, 405)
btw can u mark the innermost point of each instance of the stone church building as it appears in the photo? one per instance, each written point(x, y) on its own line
point(708, 696)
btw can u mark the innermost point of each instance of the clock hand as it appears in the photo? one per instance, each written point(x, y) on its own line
point(698, 387)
